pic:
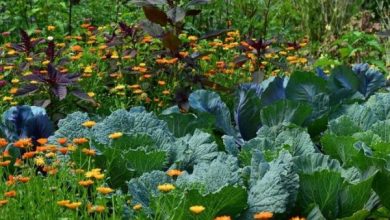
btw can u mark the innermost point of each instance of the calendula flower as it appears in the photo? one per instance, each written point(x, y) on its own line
point(3, 202)
point(63, 150)
point(173, 173)
point(263, 215)
point(225, 217)
point(23, 179)
point(89, 124)
point(137, 207)
point(167, 187)
point(62, 141)
point(28, 155)
point(73, 205)
point(197, 209)
point(115, 135)
point(94, 173)
point(42, 141)
point(39, 161)
point(85, 183)
point(63, 202)
point(5, 163)
point(51, 28)
point(71, 147)
point(80, 140)
point(96, 208)
point(297, 218)
point(18, 162)
point(10, 193)
point(89, 152)
point(104, 190)
point(3, 142)
point(23, 143)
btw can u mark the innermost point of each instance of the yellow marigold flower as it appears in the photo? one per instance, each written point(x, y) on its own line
point(225, 217)
point(292, 58)
point(283, 53)
point(71, 147)
point(104, 190)
point(45, 62)
point(263, 215)
point(91, 94)
point(115, 135)
point(96, 208)
point(86, 182)
point(7, 98)
point(197, 209)
point(51, 28)
point(14, 81)
point(173, 173)
point(73, 205)
point(137, 207)
point(192, 38)
point(94, 173)
point(166, 92)
point(166, 187)
point(63, 202)
point(302, 60)
point(39, 161)
point(89, 124)
point(88, 69)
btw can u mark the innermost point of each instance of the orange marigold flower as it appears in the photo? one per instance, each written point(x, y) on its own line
point(63, 202)
point(23, 143)
point(10, 193)
point(3, 142)
point(73, 205)
point(63, 150)
point(225, 217)
point(104, 190)
point(3, 202)
point(29, 154)
point(80, 140)
point(173, 173)
point(6, 153)
point(263, 215)
point(161, 82)
point(86, 182)
point(42, 141)
point(297, 218)
point(23, 179)
point(62, 141)
point(76, 48)
point(18, 162)
point(89, 152)
point(5, 163)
